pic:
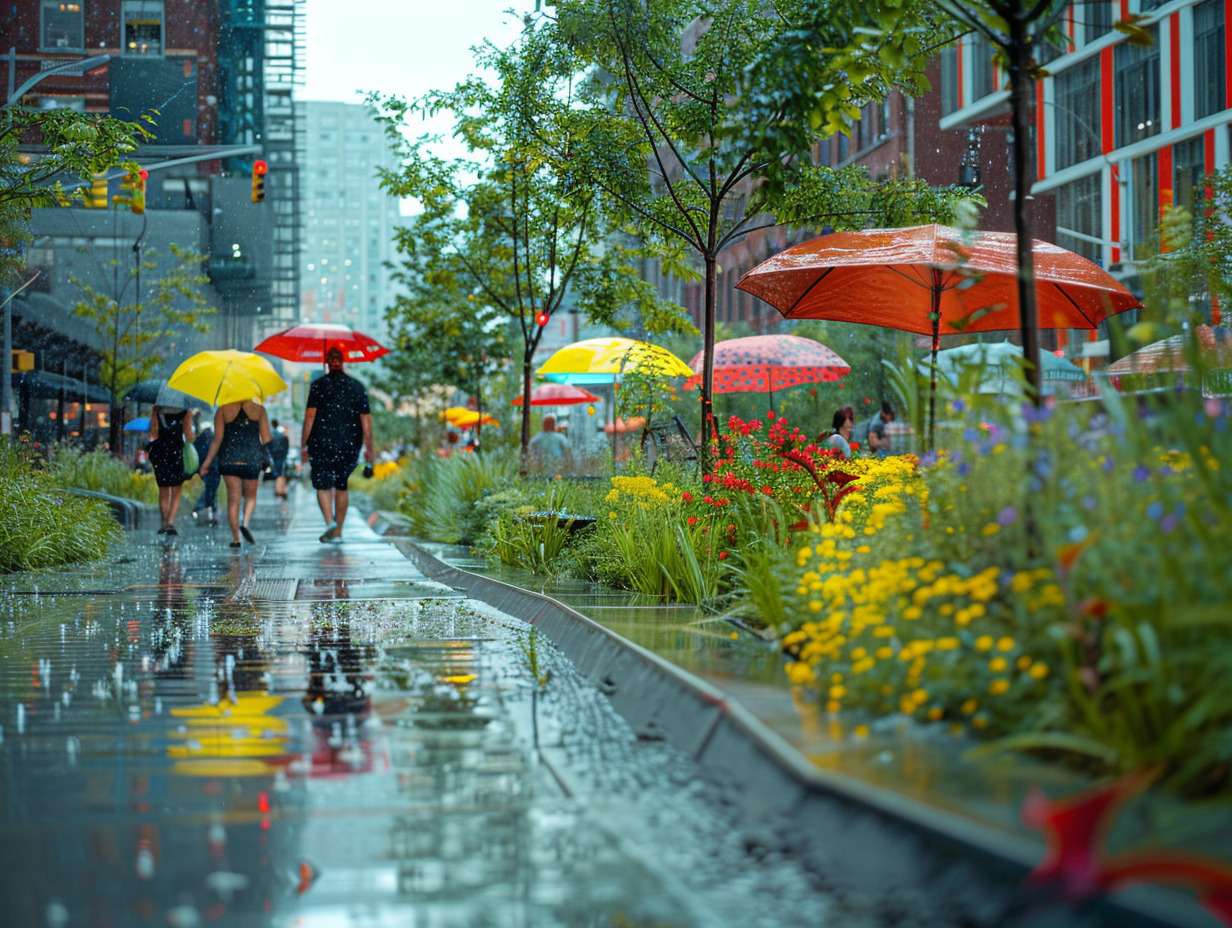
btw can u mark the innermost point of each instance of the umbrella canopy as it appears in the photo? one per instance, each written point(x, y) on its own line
point(602, 360)
point(996, 363)
point(138, 425)
point(220, 377)
point(145, 391)
point(157, 392)
point(558, 394)
point(620, 426)
point(769, 362)
point(310, 341)
point(1168, 355)
point(463, 418)
point(935, 281)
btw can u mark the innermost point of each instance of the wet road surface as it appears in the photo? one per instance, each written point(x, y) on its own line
point(308, 734)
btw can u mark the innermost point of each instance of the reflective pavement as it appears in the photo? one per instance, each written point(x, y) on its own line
point(312, 734)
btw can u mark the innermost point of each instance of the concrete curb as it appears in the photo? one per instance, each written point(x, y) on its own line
point(128, 512)
point(944, 868)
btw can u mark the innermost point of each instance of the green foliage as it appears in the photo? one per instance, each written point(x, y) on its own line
point(443, 495)
point(138, 336)
point(100, 472)
point(41, 526)
point(71, 146)
point(518, 539)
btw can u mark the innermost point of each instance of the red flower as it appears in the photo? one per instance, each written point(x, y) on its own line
point(770, 414)
point(767, 491)
point(722, 555)
point(855, 446)
point(731, 528)
point(687, 496)
point(709, 499)
point(692, 520)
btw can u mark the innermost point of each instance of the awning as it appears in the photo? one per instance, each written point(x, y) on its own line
point(47, 386)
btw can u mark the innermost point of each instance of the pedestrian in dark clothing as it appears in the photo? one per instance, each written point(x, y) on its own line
point(206, 510)
point(280, 444)
point(873, 431)
point(241, 432)
point(337, 423)
point(170, 430)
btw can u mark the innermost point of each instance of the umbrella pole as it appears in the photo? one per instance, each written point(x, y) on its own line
point(935, 317)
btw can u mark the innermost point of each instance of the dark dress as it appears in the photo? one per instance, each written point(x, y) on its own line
point(166, 452)
point(241, 453)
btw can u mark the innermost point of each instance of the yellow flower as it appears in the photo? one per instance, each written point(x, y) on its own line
point(1038, 671)
point(884, 654)
point(990, 529)
point(837, 692)
point(1023, 662)
point(969, 707)
point(799, 672)
point(1005, 644)
point(998, 687)
point(861, 731)
point(935, 714)
point(997, 664)
point(947, 644)
point(983, 643)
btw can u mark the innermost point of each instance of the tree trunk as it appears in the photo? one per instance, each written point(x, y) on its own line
point(522, 468)
point(1021, 100)
point(708, 431)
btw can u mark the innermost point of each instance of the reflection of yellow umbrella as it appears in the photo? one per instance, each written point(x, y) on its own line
point(602, 360)
point(463, 418)
point(220, 377)
point(234, 738)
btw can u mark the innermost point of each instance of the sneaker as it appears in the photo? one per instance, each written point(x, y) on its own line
point(247, 534)
point(162, 529)
point(235, 545)
point(328, 535)
point(170, 530)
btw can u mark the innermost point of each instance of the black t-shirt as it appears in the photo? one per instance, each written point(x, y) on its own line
point(279, 444)
point(339, 401)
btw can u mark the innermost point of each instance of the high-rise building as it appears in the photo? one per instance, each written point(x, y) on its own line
point(348, 220)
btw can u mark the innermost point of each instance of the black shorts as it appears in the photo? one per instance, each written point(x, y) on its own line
point(278, 466)
point(331, 473)
point(243, 471)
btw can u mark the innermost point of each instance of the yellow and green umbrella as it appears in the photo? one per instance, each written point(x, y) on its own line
point(220, 377)
point(463, 418)
point(603, 360)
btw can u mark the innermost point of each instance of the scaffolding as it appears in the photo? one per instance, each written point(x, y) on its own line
point(260, 64)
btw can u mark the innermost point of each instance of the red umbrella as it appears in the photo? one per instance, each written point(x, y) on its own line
point(769, 362)
point(558, 394)
point(935, 281)
point(310, 341)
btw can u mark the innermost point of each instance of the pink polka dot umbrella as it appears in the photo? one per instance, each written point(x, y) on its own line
point(768, 363)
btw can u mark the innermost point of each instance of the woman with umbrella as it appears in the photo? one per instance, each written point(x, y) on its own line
point(241, 432)
point(170, 430)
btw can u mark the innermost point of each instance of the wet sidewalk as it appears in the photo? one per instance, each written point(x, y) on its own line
point(315, 734)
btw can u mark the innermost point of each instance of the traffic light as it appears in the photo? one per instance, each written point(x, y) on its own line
point(133, 187)
point(542, 318)
point(258, 180)
point(21, 361)
point(96, 193)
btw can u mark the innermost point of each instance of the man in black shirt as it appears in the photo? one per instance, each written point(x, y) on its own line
point(279, 446)
point(337, 423)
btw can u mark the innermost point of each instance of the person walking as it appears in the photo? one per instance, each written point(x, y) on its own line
point(337, 423)
point(241, 434)
point(280, 445)
point(839, 436)
point(873, 431)
point(170, 430)
point(549, 451)
point(206, 510)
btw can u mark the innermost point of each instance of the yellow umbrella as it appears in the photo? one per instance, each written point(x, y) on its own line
point(602, 360)
point(220, 377)
point(463, 418)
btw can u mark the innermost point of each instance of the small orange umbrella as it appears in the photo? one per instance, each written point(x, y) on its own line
point(632, 424)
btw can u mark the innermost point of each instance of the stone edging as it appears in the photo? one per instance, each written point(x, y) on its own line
point(943, 868)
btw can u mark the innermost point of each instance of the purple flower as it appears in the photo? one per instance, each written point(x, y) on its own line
point(984, 448)
point(1007, 516)
point(1169, 523)
point(1155, 510)
point(958, 406)
point(1142, 473)
point(929, 459)
point(1089, 502)
point(1033, 413)
point(970, 434)
point(1107, 465)
point(963, 468)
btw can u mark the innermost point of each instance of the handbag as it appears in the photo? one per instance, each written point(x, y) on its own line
point(192, 461)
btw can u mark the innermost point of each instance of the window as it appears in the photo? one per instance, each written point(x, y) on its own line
point(143, 27)
point(63, 26)
point(1188, 172)
point(1209, 80)
point(981, 68)
point(1145, 218)
point(1080, 217)
point(1137, 90)
point(949, 80)
point(1076, 106)
point(1096, 18)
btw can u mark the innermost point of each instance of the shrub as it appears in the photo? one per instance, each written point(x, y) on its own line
point(100, 472)
point(42, 527)
point(442, 493)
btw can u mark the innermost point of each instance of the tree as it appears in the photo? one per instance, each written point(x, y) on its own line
point(709, 111)
point(65, 145)
point(514, 221)
point(138, 336)
point(443, 333)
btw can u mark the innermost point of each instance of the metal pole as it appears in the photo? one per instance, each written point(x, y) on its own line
point(6, 384)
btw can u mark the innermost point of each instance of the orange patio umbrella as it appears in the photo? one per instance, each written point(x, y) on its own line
point(933, 280)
